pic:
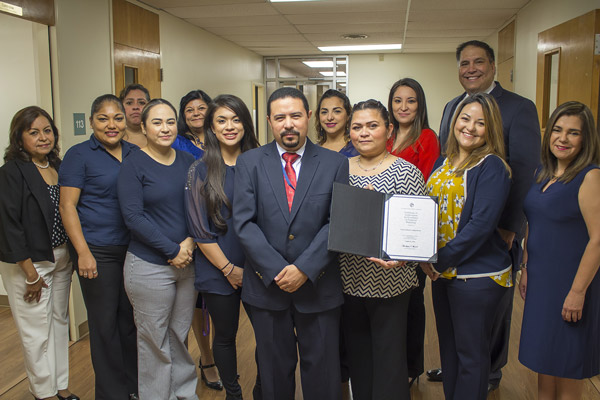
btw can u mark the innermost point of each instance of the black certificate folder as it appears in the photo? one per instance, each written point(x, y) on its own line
point(373, 224)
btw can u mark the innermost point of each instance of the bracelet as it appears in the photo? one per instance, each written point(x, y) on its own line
point(230, 271)
point(224, 266)
point(523, 266)
point(34, 282)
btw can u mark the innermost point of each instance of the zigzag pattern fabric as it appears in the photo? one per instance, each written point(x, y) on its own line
point(363, 278)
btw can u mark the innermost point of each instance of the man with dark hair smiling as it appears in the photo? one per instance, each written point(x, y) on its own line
point(291, 281)
point(476, 70)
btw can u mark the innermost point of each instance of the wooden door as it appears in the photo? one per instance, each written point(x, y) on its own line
point(567, 66)
point(136, 47)
point(506, 56)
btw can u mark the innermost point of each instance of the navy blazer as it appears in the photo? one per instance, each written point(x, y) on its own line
point(477, 247)
point(26, 214)
point(522, 143)
point(273, 237)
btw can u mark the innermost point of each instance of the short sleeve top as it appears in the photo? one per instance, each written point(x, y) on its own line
point(89, 167)
point(364, 278)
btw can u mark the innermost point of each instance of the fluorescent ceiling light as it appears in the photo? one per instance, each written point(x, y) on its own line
point(323, 64)
point(319, 64)
point(330, 73)
point(362, 47)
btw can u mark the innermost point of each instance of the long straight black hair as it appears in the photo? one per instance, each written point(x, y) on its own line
point(212, 188)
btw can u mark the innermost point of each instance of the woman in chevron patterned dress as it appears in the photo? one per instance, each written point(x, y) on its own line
point(376, 297)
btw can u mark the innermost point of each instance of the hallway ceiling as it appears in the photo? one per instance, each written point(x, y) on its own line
point(298, 28)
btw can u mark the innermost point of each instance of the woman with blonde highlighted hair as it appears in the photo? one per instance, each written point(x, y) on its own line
point(472, 183)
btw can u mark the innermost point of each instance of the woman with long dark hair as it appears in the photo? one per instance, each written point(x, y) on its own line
point(35, 268)
point(191, 138)
point(413, 141)
point(331, 123)
point(560, 282)
point(99, 237)
point(220, 259)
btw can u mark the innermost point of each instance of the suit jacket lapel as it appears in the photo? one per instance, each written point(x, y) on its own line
point(37, 186)
point(274, 173)
point(310, 162)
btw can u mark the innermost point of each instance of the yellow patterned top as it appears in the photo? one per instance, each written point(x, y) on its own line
point(450, 190)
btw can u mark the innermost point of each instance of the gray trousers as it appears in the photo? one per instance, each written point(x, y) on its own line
point(163, 300)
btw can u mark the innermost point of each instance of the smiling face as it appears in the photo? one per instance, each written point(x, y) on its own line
point(108, 124)
point(470, 129)
point(227, 127)
point(475, 70)
point(38, 141)
point(194, 115)
point(566, 139)
point(160, 126)
point(134, 102)
point(405, 105)
point(369, 133)
point(333, 116)
point(289, 122)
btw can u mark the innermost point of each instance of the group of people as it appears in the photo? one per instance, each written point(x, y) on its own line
point(155, 208)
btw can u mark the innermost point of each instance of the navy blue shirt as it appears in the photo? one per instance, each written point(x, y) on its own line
point(151, 196)
point(208, 277)
point(89, 167)
point(185, 144)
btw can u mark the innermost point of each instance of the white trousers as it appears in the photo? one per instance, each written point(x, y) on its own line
point(43, 326)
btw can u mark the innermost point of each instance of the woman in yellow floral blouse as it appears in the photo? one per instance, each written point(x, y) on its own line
point(472, 183)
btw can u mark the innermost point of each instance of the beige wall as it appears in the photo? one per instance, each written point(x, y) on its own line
point(195, 59)
point(535, 17)
point(437, 73)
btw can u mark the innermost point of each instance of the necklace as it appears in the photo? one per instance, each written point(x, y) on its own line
point(198, 142)
point(42, 166)
point(372, 168)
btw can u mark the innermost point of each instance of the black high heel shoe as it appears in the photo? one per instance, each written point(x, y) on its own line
point(216, 385)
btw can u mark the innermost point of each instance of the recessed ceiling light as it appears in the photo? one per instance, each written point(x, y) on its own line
point(362, 47)
point(330, 73)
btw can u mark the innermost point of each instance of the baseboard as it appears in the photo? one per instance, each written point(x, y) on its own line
point(83, 329)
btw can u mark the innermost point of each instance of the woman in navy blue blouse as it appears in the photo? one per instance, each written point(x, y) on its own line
point(332, 122)
point(219, 262)
point(158, 277)
point(92, 219)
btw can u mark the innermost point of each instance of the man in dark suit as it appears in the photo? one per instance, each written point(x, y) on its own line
point(291, 282)
point(476, 70)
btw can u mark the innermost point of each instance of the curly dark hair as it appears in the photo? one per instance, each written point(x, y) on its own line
point(20, 123)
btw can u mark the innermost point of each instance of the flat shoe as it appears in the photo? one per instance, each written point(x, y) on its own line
point(69, 397)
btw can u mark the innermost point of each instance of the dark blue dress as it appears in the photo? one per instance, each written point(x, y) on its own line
point(557, 240)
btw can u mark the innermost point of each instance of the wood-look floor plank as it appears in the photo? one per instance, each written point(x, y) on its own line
point(518, 382)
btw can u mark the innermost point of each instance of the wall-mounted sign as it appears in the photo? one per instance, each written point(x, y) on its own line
point(79, 123)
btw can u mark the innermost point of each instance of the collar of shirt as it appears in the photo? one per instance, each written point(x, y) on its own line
point(126, 147)
point(298, 163)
